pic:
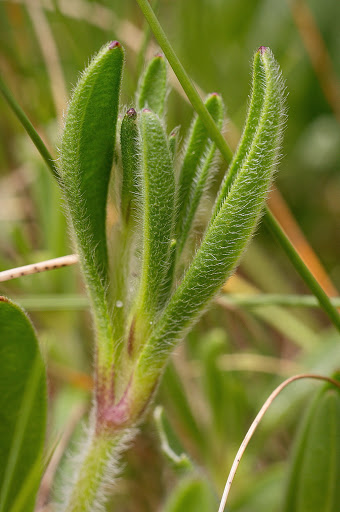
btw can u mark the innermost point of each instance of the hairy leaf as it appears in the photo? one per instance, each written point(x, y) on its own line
point(228, 233)
point(201, 177)
point(86, 156)
point(158, 211)
point(153, 86)
point(197, 146)
point(130, 147)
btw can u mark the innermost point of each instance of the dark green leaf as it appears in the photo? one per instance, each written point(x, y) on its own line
point(22, 408)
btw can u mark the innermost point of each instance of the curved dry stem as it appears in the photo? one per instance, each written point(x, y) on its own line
point(257, 420)
point(42, 266)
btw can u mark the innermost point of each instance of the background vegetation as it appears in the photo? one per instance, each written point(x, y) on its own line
point(239, 351)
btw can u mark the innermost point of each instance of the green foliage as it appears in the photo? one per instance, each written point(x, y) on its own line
point(153, 86)
point(129, 143)
point(86, 156)
point(158, 215)
point(191, 494)
point(200, 169)
point(173, 142)
point(22, 410)
point(315, 466)
point(208, 399)
point(214, 385)
point(147, 327)
point(229, 230)
point(170, 444)
point(196, 164)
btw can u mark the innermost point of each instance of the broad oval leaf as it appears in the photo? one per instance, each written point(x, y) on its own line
point(22, 410)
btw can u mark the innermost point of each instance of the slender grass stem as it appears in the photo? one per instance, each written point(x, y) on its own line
point(272, 299)
point(31, 131)
point(302, 269)
point(226, 152)
point(184, 80)
point(80, 302)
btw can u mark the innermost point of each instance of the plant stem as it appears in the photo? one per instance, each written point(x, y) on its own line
point(226, 152)
point(97, 466)
point(273, 299)
point(31, 131)
point(246, 300)
point(302, 269)
point(184, 80)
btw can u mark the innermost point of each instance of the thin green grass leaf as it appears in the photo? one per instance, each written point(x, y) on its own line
point(31, 131)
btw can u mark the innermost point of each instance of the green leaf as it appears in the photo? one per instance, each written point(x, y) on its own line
point(152, 89)
point(22, 408)
point(173, 142)
point(130, 147)
point(227, 234)
point(197, 147)
point(315, 467)
point(179, 404)
point(202, 176)
point(179, 461)
point(158, 211)
point(86, 156)
point(191, 495)
point(251, 126)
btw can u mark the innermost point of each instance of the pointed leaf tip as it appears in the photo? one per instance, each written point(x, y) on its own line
point(114, 44)
point(131, 113)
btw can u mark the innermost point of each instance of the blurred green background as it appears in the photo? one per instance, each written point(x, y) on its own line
point(236, 355)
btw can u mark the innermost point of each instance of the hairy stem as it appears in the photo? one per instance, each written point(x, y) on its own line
point(97, 470)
